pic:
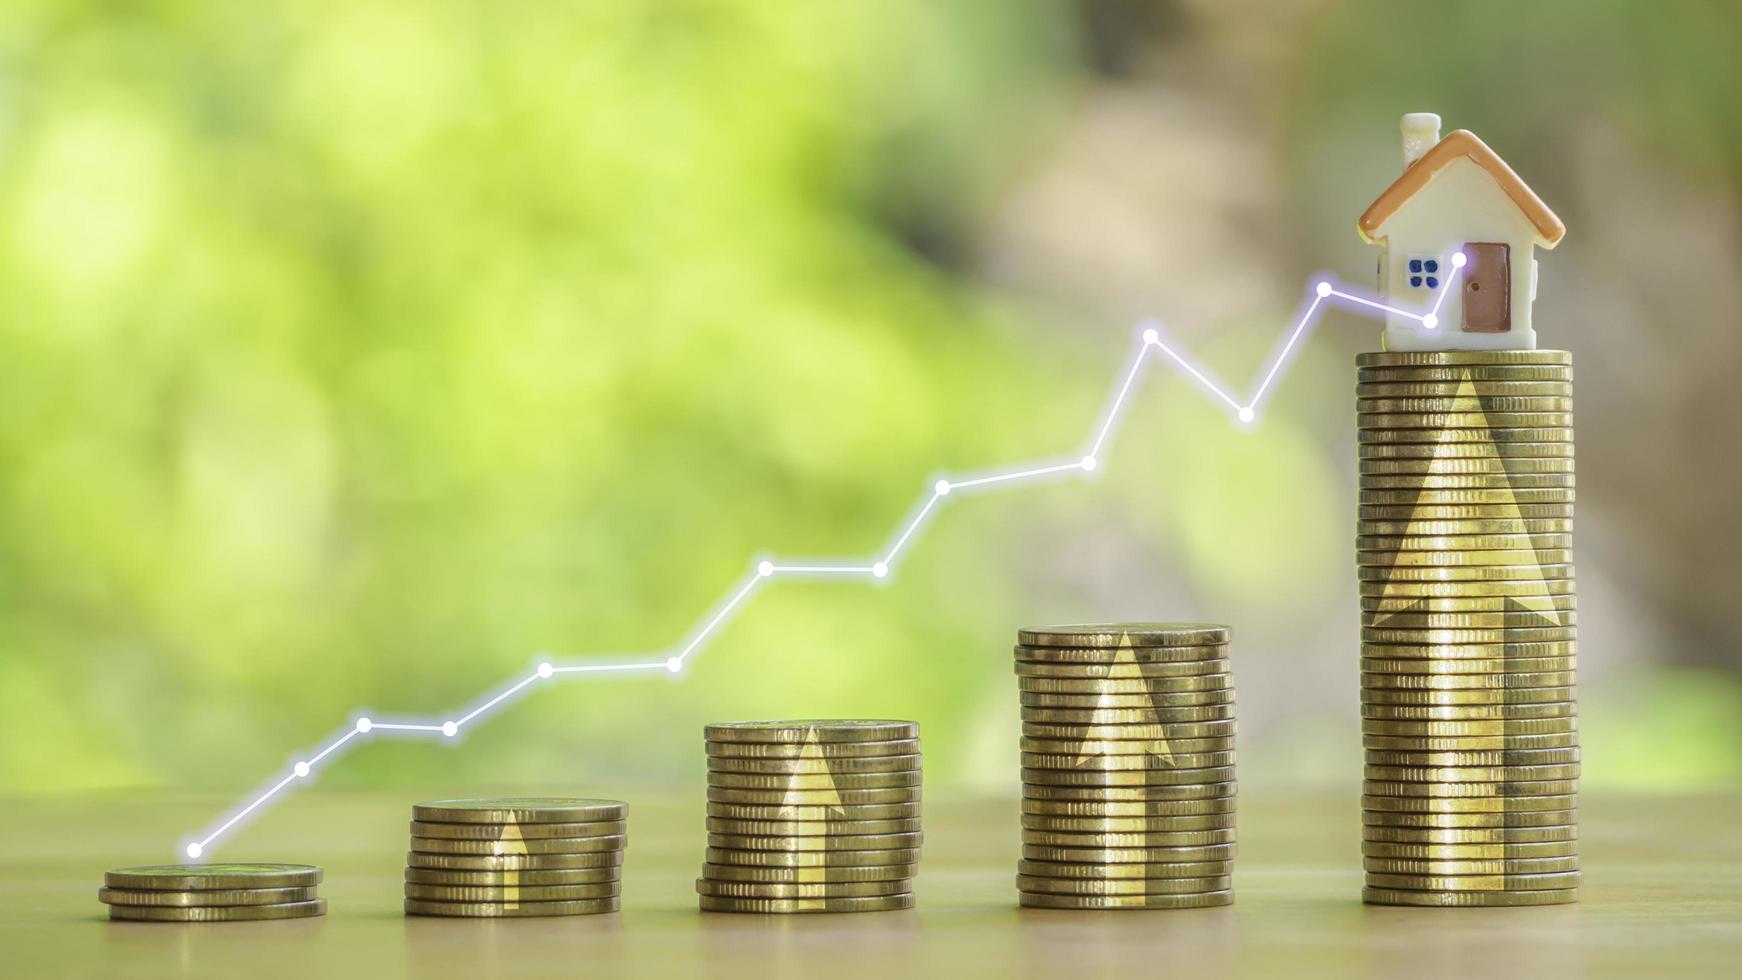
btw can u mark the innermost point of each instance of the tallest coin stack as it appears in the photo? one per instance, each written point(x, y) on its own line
point(1467, 627)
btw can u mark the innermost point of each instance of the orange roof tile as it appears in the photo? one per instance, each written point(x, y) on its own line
point(1462, 143)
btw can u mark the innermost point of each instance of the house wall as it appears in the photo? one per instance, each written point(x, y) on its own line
point(1462, 203)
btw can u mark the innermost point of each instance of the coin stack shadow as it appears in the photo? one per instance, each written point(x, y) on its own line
point(811, 816)
point(1468, 704)
point(213, 892)
point(1127, 766)
point(515, 857)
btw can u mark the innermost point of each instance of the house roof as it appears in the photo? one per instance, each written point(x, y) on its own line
point(1462, 143)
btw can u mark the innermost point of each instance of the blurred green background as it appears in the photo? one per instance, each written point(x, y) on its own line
point(360, 354)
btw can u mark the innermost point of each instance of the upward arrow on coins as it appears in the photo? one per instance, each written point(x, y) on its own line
point(1107, 711)
point(510, 842)
point(796, 795)
point(1538, 596)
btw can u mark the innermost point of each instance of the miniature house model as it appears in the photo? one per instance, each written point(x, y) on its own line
point(1461, 221)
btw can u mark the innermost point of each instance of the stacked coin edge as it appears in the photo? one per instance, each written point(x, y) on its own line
point(1128, 766)
point(212, 892)
point(811, 816)
point(1469, 710)
point(515, 857)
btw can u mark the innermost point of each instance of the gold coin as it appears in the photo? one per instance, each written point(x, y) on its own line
point(1461, 669)
point(206, 896)
point(1486, 804)
point(1115, 872)
point(1122, 886)
point(1128, 855)
point(1207, 684)
point(1464, 729)
point(1503, 866)
point(520, 810)
point(1541, 787)
point(1466, 482)
point(1524, 640)
point(1499, 436)
point(1197, 760)
point(1474, 374)
point(1512, 680)
point(813, 828)
point(545, 846)
point(1430, 513)
point(1127, 825)
point(499, 879)
point(1097, 747)
point(783, 906)
point(1127, 716)
point(821, 730)
point(1469, 712)
point(1142, 702)
point(1471, 744)
point(1443, 551)
point(1465, 420)
point(1468, 835)
point(1128, 794)
point(814, 781)
point(1124, 634)
point(1462, 579)
point(810, 859)
point(1466, 698)
point(1150, 839)
point(882, 763)
point(1460, 453)
point(833, 842)
point(1561, 387)
point(1418, 470)
point(517, 910)
point(831, 874)
point(1121, 655)
point(1135, 808)
point(1524, 610)
point(1046, 900)
point(1469, 360)
point(1525, 818)
point(1510, 757)
point(814, 814)
point(514, 862)
point(1222, 728)
point(769, 889)
point(197, 877)
point(1126, 777)
point(531, 831)
point(1455, 406)
point(511, 894)
point(1394, 896)
point(809, 750)
point(218, 913)
point(1550, 579)
point(1468, 852)
point(1142, 668)
point(813, 797)
point(1406, 530)
point(1476, 883)
point(1419, 499)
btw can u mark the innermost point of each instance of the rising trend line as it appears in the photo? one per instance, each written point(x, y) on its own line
point(1150, 344)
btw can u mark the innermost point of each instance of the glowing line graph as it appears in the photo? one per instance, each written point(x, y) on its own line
point(1150, 343)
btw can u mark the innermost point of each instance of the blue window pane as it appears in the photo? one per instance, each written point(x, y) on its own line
point(1433, 265)
point(1415, 265)
point(1433, 282)
point(1415, 281)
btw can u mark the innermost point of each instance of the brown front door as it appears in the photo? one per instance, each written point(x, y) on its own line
point(1487, 287)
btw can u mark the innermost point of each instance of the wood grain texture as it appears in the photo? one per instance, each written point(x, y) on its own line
point(1662, 897)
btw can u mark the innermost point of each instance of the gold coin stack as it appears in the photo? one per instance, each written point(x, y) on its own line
point(1127, 766)
point(516, 856)
point(811, 816)
point(213, 892)
point(1469, 712)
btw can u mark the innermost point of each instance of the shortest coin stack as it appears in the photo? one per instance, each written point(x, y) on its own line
point(1127, 766)
point(213, 892)
point(529, 856)
point(811, 816)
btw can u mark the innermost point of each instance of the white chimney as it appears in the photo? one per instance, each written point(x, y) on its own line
point(1421, 130)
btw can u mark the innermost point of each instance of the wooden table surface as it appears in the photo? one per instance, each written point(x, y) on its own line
point(1662, 897)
